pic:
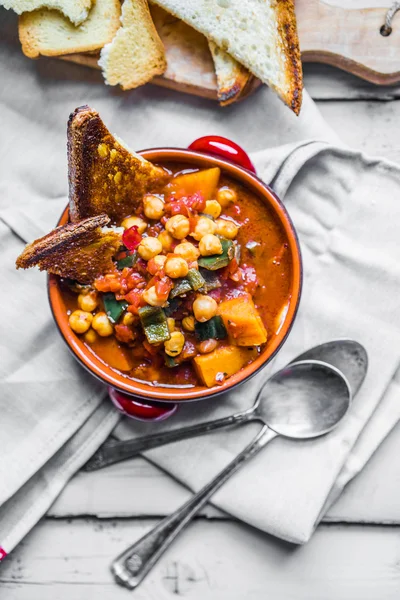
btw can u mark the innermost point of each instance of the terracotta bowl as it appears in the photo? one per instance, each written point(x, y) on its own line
point(147, 401)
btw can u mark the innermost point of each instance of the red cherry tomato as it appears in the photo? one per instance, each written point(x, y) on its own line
point(142, 411)
point(131, 238)
point(220, 146)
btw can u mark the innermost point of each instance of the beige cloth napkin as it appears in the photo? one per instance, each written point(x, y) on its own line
point(346, 210)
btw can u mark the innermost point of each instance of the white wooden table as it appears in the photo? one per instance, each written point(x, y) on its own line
point(355, 554)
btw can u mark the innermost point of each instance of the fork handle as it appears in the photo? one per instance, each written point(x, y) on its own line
point(130, 568)
point(115, 451)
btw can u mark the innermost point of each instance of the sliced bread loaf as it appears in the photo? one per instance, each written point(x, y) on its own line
point(76, 10)
point(136, 53)
point(260, 34)
point(49, 33)
point(232, 77)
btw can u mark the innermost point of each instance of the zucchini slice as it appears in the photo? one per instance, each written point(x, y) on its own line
point(154, 323)
point(114, 308)
point(214, 328)
point(217, 261)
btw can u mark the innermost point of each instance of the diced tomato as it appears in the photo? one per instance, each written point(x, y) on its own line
point(108, 283)
point(134, 300)
point(185, 205)
point(131, 238)
point(163, 287)
point(177, 207)
point(124, 334)
point(152, 267)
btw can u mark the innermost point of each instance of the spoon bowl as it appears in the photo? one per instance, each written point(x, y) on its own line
point(304, 400)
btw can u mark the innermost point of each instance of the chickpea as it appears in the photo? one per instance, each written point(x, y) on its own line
point(226, 196)
point(207, 346)
point(204, 225)
point(90, 336)
point(159, 260)
point(187, 251)
point(128, 319)
point(213, 208)
point(135, 222)
point(171, 324)
point(178, 226)
point(188, 323)
point(88, 302)
point(151, 297)
point(102, 324)
point(204, 308)
point(153, 207)
point(149, 247)
point(80, 321)
point(174, 345)
point(166, 240)
point(176, 267)
point(209, 245)
point(227, 229)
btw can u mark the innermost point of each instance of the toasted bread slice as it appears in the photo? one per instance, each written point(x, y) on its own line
point(232, 77)
point(136, 54)
point(80, 251)
point(261, 35)
point(49, 33)
point(104, 176)
point(75, 10)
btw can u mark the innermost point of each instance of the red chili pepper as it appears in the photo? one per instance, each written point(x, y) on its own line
point(131, 238)
point(220, 146)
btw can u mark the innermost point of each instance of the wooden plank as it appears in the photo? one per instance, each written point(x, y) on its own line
point(138, 488)
point(350, 38)
point(219, 560)
point(324, 82)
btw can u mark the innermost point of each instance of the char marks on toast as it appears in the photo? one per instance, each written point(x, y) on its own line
point(232, 77)
point(104, 176)
point(81, 251)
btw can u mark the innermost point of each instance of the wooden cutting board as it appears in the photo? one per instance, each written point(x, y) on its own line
point(349, 39)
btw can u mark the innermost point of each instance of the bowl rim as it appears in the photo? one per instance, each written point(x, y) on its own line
point(145, 391)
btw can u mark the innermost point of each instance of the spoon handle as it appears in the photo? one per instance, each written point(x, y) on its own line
point(114, 451)
point(130, 568)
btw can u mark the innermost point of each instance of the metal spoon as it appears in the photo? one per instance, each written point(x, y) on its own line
point(346, 355)
point(304, 400)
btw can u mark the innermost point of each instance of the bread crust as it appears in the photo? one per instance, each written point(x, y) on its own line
point(287, 25)
point(104, 176)
point(80, 251)
point(31, 36)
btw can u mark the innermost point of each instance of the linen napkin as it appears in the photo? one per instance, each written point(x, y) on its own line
point(344, 206)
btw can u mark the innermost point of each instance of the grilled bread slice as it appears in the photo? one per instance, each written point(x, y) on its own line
point(80, 251)
point(232, 77)
point(260, 34)
point(49, 33)
point(136, 54)
point(75, 10)
point(104, 175)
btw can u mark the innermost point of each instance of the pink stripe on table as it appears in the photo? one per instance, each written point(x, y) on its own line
point(3, 553)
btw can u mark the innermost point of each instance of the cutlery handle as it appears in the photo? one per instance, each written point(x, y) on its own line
point(115, 451)
point(130, 568)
